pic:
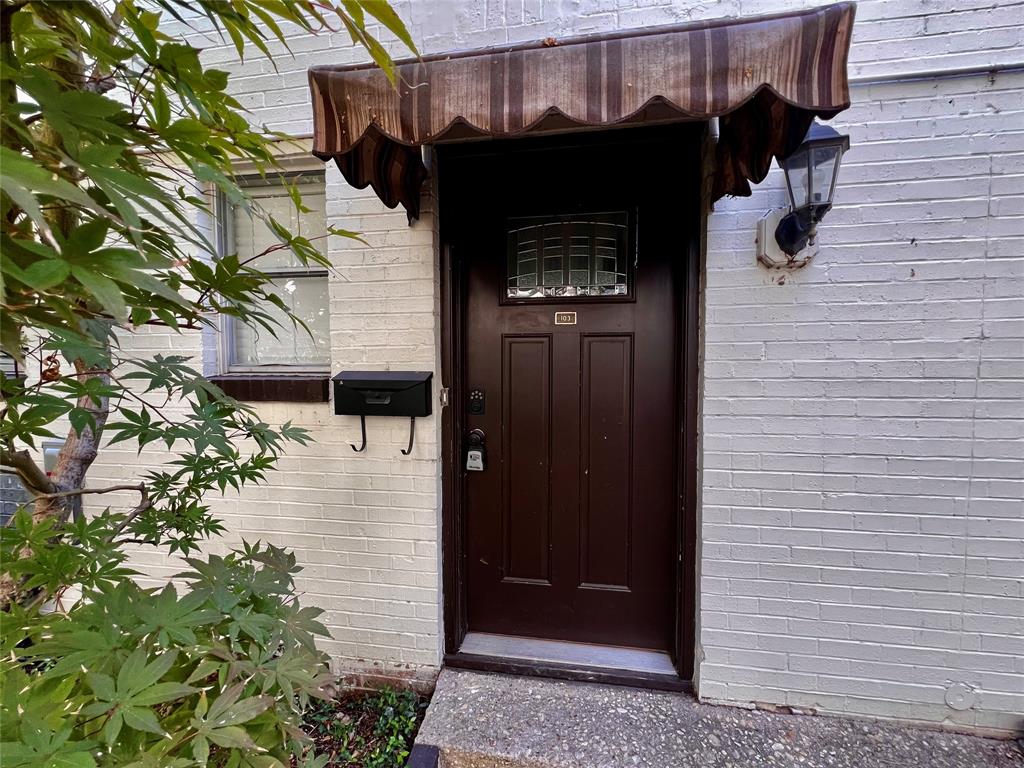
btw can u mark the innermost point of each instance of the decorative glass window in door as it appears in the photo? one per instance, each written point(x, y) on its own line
point(568, 256)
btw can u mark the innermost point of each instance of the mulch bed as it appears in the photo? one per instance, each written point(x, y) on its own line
point(366, 729)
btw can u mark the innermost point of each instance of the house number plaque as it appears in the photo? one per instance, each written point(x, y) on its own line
point(565, 318)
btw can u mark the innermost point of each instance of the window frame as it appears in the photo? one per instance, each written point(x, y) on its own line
point(223, 222)
point(631, 261)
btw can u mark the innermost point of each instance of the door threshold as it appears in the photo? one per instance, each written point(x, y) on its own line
point(566, 652)
point(587, 662)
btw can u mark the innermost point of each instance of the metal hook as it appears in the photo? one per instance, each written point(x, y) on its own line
point(362, 426)
point(412, 436)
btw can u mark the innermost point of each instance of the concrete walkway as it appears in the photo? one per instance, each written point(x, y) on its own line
point(494, 721)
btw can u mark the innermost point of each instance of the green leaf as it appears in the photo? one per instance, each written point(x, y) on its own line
point(46, 273)
point(142, 279)
point(112, 727)
point(161, 693)
point(81, 420)
point(102, 685)
point(136, 676)
point(202, 705)
point(104, 290)
point(243, 711)
point(142, 719)
point(132, 670)
point(22, 179)
point(227, 698)
point(81, 759)
point(88, 236)
point(201, 749)
point(161, 107)
point(385, 14)
point(231, 737)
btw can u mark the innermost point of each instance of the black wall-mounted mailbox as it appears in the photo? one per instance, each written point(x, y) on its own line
point(383, 393)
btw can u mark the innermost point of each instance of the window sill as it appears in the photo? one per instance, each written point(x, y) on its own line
point(282, 387)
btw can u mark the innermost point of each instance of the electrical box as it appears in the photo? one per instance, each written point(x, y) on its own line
point(383, 393)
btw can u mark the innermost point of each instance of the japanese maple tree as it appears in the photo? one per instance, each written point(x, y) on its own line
point(115, 135)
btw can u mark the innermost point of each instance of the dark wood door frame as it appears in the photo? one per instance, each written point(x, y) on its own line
point(693, 221)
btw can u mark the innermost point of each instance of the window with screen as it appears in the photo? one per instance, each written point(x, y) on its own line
point(568, 256)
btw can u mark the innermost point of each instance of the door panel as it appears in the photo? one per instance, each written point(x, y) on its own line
point(526, 453)
point(570, 531)
point(606, 460)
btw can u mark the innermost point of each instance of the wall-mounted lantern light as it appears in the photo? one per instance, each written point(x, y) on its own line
point(811, 173)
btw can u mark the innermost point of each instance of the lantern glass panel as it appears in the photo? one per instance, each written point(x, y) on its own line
point(823, 169)
point(797, 178)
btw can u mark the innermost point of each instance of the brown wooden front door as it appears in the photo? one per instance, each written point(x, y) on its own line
point(570, 372)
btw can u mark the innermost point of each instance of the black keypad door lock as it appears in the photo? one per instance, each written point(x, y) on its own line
point(476, 451)
point(477, 402)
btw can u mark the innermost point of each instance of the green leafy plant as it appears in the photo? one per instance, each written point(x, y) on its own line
point(368, 730)
point(114, 139)
point(218, 675)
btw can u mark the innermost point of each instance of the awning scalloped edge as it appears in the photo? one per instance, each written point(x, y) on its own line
point(766, 78)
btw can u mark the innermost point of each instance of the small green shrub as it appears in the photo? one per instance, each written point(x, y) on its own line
point(143, 677)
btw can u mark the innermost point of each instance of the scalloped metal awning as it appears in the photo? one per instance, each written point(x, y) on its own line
point(765, 78)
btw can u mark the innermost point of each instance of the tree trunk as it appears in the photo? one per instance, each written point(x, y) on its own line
point(76, 456)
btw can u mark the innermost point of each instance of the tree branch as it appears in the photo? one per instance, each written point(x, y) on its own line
point(82, 491)
point(126, 390)
point(31, 474)
point(144, 504)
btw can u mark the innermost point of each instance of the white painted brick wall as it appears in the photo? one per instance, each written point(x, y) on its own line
point(863, 523)
point(863, 434)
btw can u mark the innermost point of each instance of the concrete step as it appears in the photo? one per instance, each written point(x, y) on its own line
point(496, 721)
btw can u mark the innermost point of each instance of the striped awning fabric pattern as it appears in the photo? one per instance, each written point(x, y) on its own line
point(765, 78)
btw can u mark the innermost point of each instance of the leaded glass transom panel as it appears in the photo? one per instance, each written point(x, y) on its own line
point(567, 256)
